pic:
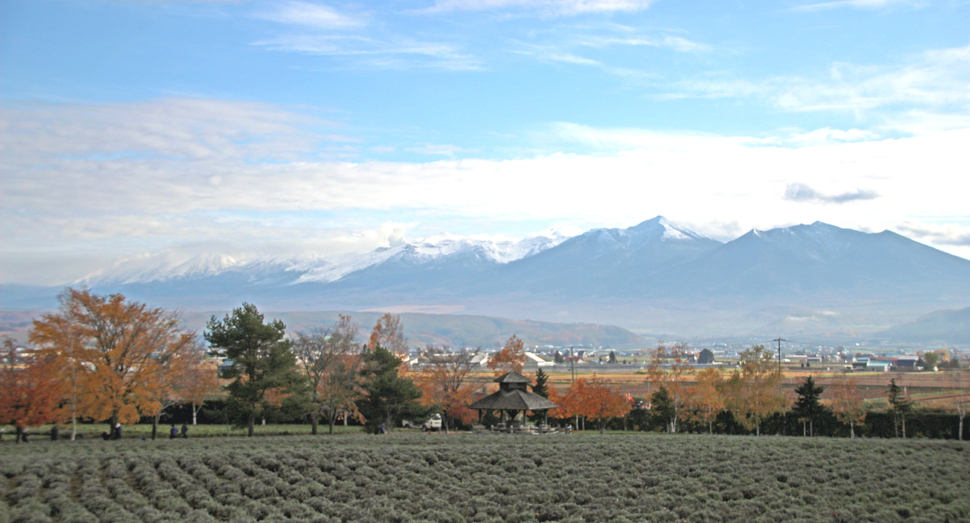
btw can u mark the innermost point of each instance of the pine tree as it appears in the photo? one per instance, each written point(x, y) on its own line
point(541, 388)
point(261, 364)
point(807, 406)
point(899, 405)
point(387, 396)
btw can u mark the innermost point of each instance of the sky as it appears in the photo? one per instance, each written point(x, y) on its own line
point(163, 130)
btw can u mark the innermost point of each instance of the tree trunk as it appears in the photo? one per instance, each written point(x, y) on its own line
point(195, 411)
point(155, 425)
point(960, 435)
point(20, 434)
point(315, 420)
point(252, 425)
point(851, 431)
point(602, 427)
point(904, 427)
point(710, 427)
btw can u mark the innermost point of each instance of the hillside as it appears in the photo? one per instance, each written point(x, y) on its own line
point(439, 329)
point(949, 326)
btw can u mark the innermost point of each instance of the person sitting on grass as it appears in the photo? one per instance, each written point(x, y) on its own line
point(173, 433)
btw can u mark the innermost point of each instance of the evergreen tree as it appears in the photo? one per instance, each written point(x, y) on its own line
point(706, 357)
point(662, 406)
point(899, 405)
point(388, 397)
point(807, 406)
point(541, 388)
point(261, 364)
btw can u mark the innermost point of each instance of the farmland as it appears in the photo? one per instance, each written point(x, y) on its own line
point(479, 478)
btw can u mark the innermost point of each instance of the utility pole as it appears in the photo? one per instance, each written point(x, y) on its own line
point(779, 339)
point(572, 363)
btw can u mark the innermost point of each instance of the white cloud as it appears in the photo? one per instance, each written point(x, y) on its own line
point(542, 7)
point(363, 51)
point(677, 43)
point(437, 149)
point(309, 14)
point(937, 234)
point(924, 93)
point(857, 4)
point(800, 192)
point(143, 177)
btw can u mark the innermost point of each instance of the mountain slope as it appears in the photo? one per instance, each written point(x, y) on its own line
point(948, 326)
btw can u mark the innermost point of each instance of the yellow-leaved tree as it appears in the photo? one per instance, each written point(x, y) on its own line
point(115, 353)
point(510, 358)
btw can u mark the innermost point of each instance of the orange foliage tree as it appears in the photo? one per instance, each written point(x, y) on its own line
point(201, 380)
point(603, 402)
point(593, 399)
point(510, 358)
point(668, 369)
point(705, 400)
point(388, 332)
point(443, 381)
point(847, 404)
point(754, 393)
point(30, 392)
point(117, 349)
point(165, 388)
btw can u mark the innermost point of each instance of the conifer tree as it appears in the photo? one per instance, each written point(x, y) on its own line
point(261, 364)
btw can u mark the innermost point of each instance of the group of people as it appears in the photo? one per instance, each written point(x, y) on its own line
point(174, 433)
point(115, 433)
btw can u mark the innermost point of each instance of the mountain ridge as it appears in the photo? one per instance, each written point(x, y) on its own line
point(655, 276)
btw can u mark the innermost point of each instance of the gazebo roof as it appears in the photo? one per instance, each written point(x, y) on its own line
point(512, 377)
point(513, 400)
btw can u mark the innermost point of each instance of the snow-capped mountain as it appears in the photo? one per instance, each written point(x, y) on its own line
point(656, 276)
point(169, 266)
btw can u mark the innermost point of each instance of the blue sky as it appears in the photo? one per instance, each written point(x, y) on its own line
point(133, 130)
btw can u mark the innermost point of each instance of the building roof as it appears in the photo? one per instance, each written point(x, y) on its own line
point(513, 400)
point(512, 377)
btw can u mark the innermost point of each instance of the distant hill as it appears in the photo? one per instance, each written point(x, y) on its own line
point(454, 330)
point(950, 326)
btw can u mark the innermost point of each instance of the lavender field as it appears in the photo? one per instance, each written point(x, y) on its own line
point(411, 478)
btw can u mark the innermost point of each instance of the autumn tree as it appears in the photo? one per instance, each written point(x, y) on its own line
point(847, 403)
point(959, 381)
point(388, 333)
point(116, 348)
point(332, 361)
point(899, 406)
point(510, 358)
point(705, 400)
point(443, 380)
point(260, 362)
point(668, 369)
point(165, 388)
point(387, 396)
point(201, 380)
point(571, 403)
point(807, 406)
point(601, 402)
point(755, 390)
point(30, 393)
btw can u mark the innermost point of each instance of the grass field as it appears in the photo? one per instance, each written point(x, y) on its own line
point(402, 477)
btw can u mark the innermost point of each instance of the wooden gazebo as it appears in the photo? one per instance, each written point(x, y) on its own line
point(512, 397)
